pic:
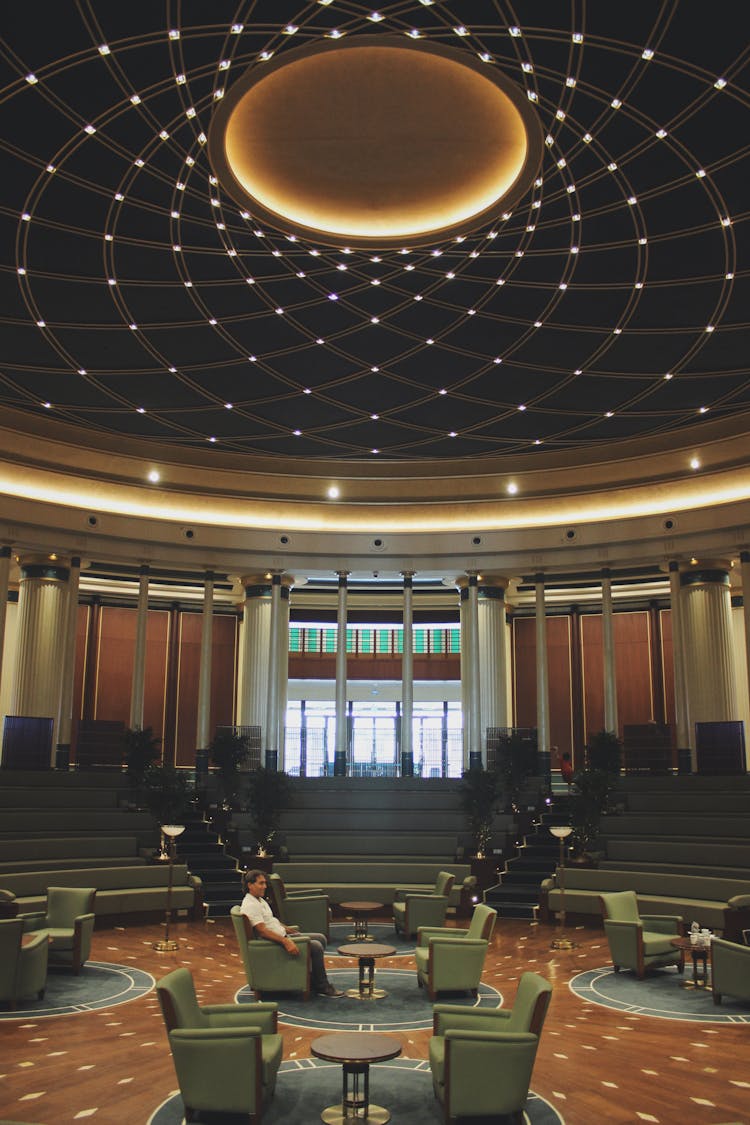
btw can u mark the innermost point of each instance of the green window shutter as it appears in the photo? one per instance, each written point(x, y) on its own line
point(350, 640)
point(295, 640)
point(329, 640)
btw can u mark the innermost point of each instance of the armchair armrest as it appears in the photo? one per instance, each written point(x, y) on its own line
point(453, 1017)
point(36, 920)
point(305, 892)
point(664, 923)
point(426, 933)
point(263, 1015)
point(523, 1037)
point(738, 901)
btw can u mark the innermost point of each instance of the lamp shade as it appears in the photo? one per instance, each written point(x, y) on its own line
point(560, 830)
point(173, 830)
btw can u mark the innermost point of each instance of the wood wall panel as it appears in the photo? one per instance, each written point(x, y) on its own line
point(115, 671)
point(366, 666)
point(559, 674)
point(632, 666)
point(223, 665)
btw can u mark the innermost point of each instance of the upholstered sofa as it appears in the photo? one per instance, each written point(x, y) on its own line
point(348, 882)
point(696, 898)
point(140, 889)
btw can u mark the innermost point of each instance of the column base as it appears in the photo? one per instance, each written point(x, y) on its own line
point(339, 763)
point(62, 756)
point(475, 760)
point(407, 764)
point(272, 760)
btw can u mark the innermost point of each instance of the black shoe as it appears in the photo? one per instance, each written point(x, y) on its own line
point(328, 990)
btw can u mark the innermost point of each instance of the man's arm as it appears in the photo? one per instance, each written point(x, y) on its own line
point(281, 939)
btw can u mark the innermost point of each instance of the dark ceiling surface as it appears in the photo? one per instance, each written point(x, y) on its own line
point(137, 299)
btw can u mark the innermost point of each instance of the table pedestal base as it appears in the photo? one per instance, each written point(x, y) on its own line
point(355, 1104)
point(366, 989)
point(337, 1115)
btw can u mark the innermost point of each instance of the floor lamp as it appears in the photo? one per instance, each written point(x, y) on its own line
point(560, 941)
point(171, 831)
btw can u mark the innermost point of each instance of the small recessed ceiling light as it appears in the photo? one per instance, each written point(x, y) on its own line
point(461, 30)
point(648, 54)
point(618, 331)
point(726, 222)
point(375, 281)
point(700, 173)
point(153, 476)
point(574, 249)
point(578, 371)
point(297, 433)
point(661, 134)
point(587, 138)
point(418, 297)
point(703, 410)
point(639, 285)
point(642, 241)
point(709, 328)
point(306, 391)
point(250, 281)
point(575, 218)
point(429, 340)
point(719, 84)
point(375, 417)
point(291, 29)
point(608, 414)
point(133, 327)
point(409, 267)
point(484, 56)
point(511, 488)
point(253, 358)
point(577, 37)
point(279, 311)
point(21, 270)
point(141, 409)
point(41, 324)
point(669, 375)
point(694, 464)
point(632, 200)
point(413, 33)
point(563, 285)
point(320, 340)
point(527, 68)
point(376, 17)
point(229, 406)
point(442, 391)
point(333, 296)
point(570, 83)
point(374, 451)
point(375, 369)
point(452, 434)
point(335, 34)
point(236, 28)
point(500, 281)
point(532, 96)
point(515, 32)
point(497, 359)
point(81, 370)
point(450, 275)
point(537, 324)
point(333, 492)
point(89, 129)
point(374, 320)
point(521, 407)
point(615, 103)
point(728, 276)
point(32, 79)
point(341, 266)
point(612, 167)
point(560, 114)
point(47, 405)
point(218, 94)
point(174, 33)
point(537, 441)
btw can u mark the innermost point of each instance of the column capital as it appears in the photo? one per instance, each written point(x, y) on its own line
point(342, 576)
point(408, 577)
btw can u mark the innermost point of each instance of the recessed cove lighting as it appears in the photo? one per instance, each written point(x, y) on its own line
point(154, 476)
point(333, 492)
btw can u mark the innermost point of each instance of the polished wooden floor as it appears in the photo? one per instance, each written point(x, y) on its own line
point(595, 1065)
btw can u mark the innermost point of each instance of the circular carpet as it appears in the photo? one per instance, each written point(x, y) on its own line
point(383, 932)
point(405, 1008)
point(659, 995)
point(307, 1086)
point(100, 985)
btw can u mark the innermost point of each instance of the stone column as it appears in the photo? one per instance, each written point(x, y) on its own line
point(407, 679)
point(745, 571)
point(708, 649)
point(608, 653)
point(4, 582)
point(256, 641)
point(682, 719)
point(342, 725)
point(271, 734)
point(138, 688)
point(203, 720)
point(287, 581)
point(65, 710)
point(493, 662)
point(462, 583)
point(475, 733)
point(42, 620)
point(542, 669)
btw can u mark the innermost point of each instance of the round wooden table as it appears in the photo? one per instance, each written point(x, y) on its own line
point(355, 1051)
point(700, 953)
point(361, 912)
point(366, 956)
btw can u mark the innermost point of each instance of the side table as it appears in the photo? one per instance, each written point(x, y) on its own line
point(361, 912)
point(366, 956)
point(355, 1051)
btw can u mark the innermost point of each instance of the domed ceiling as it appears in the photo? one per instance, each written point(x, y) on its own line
point(609, 301)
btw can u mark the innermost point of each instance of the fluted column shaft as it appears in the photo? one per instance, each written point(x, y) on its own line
point(65, 710)
point(4, 580)
point(407, 678)
point(256, 638)
point(203, 721)
point(340, 749)
point(493, 662)
point(475, 733)
point(682, 721)
point(745, 570)
point(271, 733)
point(283, 665)
point(608, 652)
point(42, 620)
point(542, 668)
point(708, 648)
point(138, 689)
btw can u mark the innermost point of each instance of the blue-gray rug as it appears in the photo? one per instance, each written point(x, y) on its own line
point(382, 932)
point(99, 985)
point(406, 1007)
point(659, 995)
point(308, 1086)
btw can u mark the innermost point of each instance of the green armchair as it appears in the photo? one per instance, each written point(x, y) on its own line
point(482, 1058)
point(8, 904)
point(68, 923)
point(268, 967)
point(452, 960)
point(730, 970)
point(412, 909)
point(640, 941)
point(23, 969)
point(226, 1056)
point(310, 912)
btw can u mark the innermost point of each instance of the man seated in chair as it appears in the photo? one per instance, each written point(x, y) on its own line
point(266, 925)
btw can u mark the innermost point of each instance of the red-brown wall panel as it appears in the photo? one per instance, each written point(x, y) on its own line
point(632, 670)
point(223, 666)
point(559, 674)
point(115, 672)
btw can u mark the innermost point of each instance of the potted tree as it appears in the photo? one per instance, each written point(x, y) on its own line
point(141, 751)
point(167, 796)
point(592, 790)
point(479, 792)
point(228, 752)
point(269, 791)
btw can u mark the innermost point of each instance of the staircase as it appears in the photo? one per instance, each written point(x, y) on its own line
point(517, 894)
point(201, 849)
